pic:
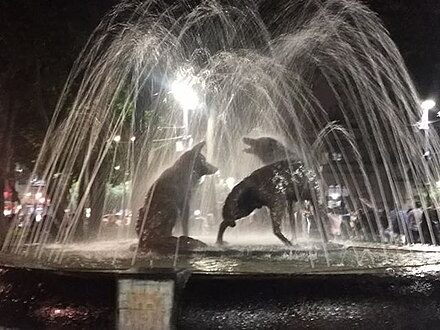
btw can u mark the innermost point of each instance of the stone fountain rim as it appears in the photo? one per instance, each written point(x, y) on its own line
point(170, 273)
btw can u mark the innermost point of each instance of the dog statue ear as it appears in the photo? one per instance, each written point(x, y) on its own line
point(198, 147)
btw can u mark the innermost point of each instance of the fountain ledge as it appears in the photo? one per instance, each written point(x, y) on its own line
point(175, 298)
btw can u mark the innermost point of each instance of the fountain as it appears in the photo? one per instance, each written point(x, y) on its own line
point(322, 77)
point(154, 77)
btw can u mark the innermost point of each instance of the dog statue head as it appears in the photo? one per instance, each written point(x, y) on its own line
point(194, 159)
point(267, 149)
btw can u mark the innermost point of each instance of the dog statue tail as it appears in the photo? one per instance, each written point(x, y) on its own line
point(242, 200)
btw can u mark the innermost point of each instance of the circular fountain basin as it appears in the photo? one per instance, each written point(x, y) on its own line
point(256, 284)
point(398, 297)
point(264, 255)
point(237, 286)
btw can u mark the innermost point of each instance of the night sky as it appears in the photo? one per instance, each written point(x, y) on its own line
point(40, 39)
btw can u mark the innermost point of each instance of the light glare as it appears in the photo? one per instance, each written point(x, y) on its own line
point(428, 105)
point(184, 93)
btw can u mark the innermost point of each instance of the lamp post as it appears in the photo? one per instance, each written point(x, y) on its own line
point(426, 106)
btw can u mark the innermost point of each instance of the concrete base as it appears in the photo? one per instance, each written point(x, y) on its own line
point(168, 299)
point(145, 304)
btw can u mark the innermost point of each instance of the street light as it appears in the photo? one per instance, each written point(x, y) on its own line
point(426, 106)
point(184, 93)
point(117, 138)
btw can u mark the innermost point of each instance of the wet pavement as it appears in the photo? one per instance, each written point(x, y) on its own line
point(35, 299)
point(312, 302)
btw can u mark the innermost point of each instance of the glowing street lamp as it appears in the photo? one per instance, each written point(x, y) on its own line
point(426, 106)
point(117, 138)
point(183, 91)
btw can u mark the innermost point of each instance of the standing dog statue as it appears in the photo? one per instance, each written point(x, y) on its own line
point(268, 150)
point(168, 200)
point(276, 186)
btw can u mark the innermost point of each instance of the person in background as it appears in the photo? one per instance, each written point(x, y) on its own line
point(415, 216)
point(398, 230)
point(110, 230)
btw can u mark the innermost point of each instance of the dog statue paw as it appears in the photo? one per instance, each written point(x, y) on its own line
point(221, 243)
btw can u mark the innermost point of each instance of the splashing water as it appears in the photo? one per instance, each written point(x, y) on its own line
point(324, 77)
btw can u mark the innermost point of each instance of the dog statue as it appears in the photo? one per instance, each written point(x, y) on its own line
point(268, 150)
point(276, 186)
point(168, 200)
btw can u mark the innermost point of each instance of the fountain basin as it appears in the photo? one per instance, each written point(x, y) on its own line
point(391, 297)
point(267, 257)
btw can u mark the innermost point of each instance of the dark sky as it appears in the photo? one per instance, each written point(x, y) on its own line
point(415, 27)
point(40, 39)
point(61, 26)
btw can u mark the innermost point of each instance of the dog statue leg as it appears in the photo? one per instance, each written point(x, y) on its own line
point(223, 226)
point(277, 214)
point(155, 228)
